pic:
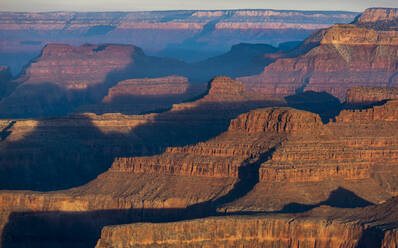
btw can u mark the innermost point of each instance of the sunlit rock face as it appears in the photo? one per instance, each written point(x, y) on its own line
point(334, 60)
point(250, 231)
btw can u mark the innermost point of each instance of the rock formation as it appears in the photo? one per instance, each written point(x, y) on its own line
point(333, 60)
point(64, 77)
point(379, 18)
point(373, 226)
point(250, 231)
point(358, 148)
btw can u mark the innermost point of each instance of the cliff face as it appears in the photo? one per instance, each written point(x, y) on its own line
point(372, 226)
point(342, 56)
point(248, 137)
point(280, 120)
point(357, 149)
point(386, 112)
point(380, 18)
point(80, 67)
point(365, 96)
point(222, 156)
point(256, 231)
point(138, 87)
point(76, 76)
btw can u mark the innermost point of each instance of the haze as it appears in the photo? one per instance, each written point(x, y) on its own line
point(136, 5)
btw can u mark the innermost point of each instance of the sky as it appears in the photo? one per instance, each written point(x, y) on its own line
point(138, 5)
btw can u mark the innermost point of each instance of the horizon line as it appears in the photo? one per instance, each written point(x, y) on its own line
point(170, 10)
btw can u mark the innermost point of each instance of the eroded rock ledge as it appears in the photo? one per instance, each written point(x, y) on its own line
point(250, 231)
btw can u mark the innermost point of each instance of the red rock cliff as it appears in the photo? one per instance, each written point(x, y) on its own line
point(235, 231)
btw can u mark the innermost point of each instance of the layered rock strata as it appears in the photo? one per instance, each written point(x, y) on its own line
point(252, 231)
point(354, 156)
point(334, 60)
point(51, 146)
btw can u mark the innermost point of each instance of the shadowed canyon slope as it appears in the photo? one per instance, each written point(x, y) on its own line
point(335, 59)
point(5, 84)
point(191, 35)
point(60, 152)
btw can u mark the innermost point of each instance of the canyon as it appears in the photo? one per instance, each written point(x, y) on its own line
point(287, 156)
point(295, 146)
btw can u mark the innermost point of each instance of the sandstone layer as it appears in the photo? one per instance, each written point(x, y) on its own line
point(250, 231)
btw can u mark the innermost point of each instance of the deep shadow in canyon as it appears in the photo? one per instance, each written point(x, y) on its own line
point(65, 152)
point(248, 175)
point(338, 198)
point(322, 103)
